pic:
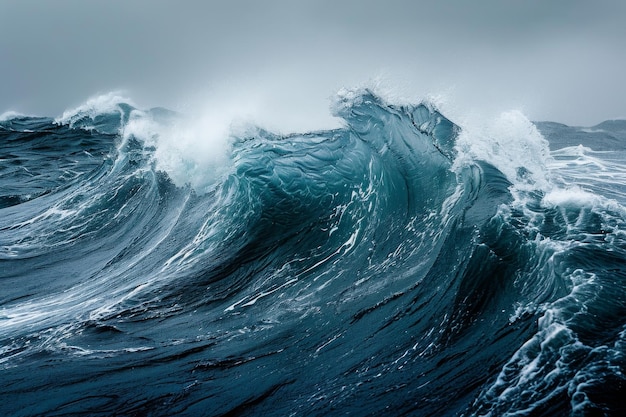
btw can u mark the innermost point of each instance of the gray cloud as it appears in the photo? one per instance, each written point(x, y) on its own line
point(558, 60)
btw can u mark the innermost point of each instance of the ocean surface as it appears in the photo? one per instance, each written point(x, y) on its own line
point(402, 264)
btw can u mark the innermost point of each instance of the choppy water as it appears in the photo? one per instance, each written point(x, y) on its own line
point(400, 264)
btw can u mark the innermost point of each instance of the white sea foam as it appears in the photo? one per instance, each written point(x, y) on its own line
point(194, 150)
point(10, 115)
point(511, 143)
point(570, 197)
point(98, 105)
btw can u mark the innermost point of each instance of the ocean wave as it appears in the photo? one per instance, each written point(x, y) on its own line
point(400, 263)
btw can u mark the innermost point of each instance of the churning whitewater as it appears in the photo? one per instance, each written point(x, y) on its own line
point(397, 265)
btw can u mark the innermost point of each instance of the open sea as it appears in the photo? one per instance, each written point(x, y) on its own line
point(400, 265)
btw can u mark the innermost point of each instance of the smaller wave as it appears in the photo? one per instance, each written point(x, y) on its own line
point(11, 115)
point(193, 151)
point(105, 113)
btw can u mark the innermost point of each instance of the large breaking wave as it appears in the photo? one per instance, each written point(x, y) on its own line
point(399, 264)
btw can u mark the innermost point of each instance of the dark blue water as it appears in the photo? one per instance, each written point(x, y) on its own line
point(399, 265)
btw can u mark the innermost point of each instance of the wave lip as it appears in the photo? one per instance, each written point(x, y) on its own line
point(360, 107)
point(106, 113)
point(10, 115)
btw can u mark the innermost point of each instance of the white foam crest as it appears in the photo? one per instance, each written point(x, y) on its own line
point(345, 98)
point(10, 115)
point(108, 103)
point(571, 197)
point(193, 150)
point(512, 144)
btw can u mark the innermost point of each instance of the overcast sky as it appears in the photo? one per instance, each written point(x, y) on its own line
point(561, 60)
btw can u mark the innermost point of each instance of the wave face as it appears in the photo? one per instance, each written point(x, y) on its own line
point(398, 265)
